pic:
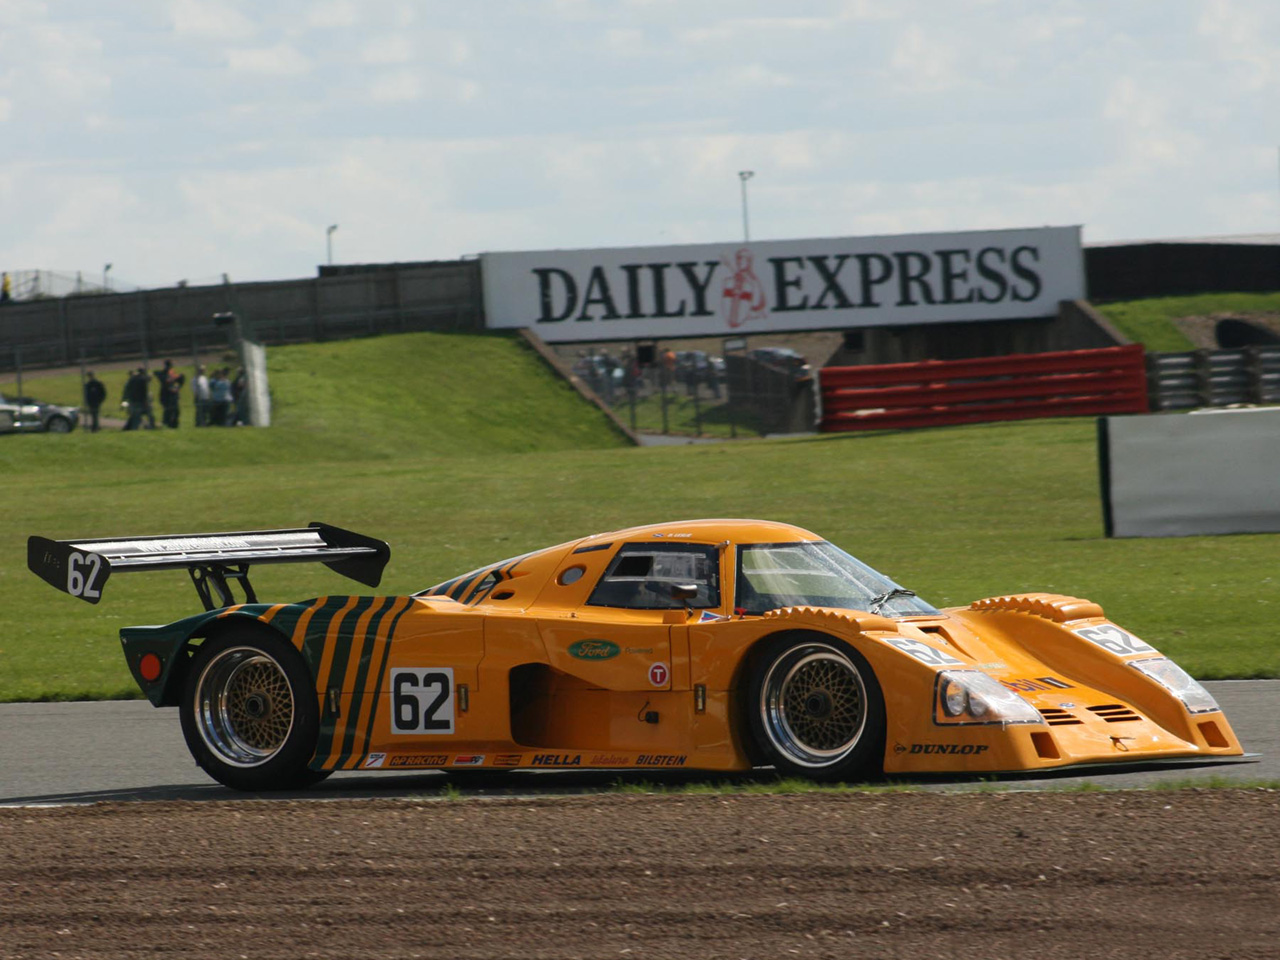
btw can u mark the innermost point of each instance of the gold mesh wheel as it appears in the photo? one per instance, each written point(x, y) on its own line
point(813, 705)
point(244, 706)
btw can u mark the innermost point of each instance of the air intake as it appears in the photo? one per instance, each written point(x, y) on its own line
point(1058, 718)
point(1114, 713)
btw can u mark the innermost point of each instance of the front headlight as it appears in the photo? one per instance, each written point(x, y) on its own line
point(955, 699)
point(1178, 682)
point(967, 696)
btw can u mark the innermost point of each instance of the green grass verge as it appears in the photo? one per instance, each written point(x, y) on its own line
point(955, 513)
point(418, 394)
point(1150, 322)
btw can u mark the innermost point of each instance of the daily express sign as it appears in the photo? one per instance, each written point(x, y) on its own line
point(708, 289)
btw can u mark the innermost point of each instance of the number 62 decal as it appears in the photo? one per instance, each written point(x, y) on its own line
point(422, 700)
point(83, 575)
point(1114, 640)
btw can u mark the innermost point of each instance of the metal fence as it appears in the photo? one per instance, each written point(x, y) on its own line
point(738, 395)
point(178, 320)
point(47, 284)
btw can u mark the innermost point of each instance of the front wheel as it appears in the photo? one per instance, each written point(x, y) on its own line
point(58, 425)
point(816, 709)
point(249, 713)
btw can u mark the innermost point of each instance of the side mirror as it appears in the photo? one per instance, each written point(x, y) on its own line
point(684, 591)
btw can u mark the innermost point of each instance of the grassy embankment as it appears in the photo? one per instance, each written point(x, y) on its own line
point(462, 450)
point(1150, 322)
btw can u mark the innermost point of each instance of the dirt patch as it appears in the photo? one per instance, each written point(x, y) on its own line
point(1200, 330)
point(1135, 875)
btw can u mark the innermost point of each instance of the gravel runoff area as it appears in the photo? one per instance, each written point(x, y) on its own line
point(1189, 873)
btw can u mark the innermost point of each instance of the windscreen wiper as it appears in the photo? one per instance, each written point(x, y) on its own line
point(880, 600)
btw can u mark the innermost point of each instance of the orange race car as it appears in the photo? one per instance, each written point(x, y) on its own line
point(707, 644)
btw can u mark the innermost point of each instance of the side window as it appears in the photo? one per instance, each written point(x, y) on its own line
point(641, 577)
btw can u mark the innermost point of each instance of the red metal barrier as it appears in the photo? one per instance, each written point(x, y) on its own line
point(1068, 383)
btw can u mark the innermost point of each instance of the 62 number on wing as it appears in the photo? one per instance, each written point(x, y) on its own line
point(82, 574)
point(422, 700)
point(1114, 640)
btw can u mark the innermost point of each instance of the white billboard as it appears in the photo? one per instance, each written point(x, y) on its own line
point(772, 286)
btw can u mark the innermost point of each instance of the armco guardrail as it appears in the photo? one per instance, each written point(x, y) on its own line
point(1019, 387)
point(1214, 378)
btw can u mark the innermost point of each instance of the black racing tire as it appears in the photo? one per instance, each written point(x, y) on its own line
point(815, 709)
point(250, 714)
point(58, 425)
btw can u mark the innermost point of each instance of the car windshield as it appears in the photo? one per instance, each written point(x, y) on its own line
point(817, 574)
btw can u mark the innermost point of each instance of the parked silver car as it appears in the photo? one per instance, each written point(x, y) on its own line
point(25, 415)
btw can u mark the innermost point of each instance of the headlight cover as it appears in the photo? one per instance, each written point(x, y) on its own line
point(1178, 682)
point(968, 696)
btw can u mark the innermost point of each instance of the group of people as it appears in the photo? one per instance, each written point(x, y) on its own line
point(608, 375)
point(220, 400)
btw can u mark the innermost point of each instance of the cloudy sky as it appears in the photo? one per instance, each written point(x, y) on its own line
point(181, 139)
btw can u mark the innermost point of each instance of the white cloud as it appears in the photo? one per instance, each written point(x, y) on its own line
point(923, 63)
point(441, 130)
point(758, 75)
point(333, 14)
point(388, 48)
point(866, 10)
point(280, 60)
point(624, 40)
point(1246, 34)
point(209, 20)
point(400, 86)
point(55, 62)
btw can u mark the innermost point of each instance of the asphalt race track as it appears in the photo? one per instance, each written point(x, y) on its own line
point(76, 753)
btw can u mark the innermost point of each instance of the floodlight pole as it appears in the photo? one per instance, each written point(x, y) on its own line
point(744, 176)
point(328, 241)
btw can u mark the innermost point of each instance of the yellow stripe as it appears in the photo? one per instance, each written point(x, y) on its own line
point(300, 630)
point(230, 610)
point(326, 658)
point(372, 685)
point(353, 660)
point(269, 614)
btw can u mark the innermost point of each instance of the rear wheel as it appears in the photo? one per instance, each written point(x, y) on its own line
point(249, 713)
point(816, 709)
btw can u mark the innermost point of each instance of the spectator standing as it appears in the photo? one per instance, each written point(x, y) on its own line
point(6, 289)
point(200, 388)
point(668, 367)
point(691, 372)
point(171, 382)
point(240, 399)
point(94, 394)
point(219, 398)
point(137, 396)
point(633, 372)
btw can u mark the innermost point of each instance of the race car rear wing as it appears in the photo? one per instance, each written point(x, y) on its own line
point(81, 567)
